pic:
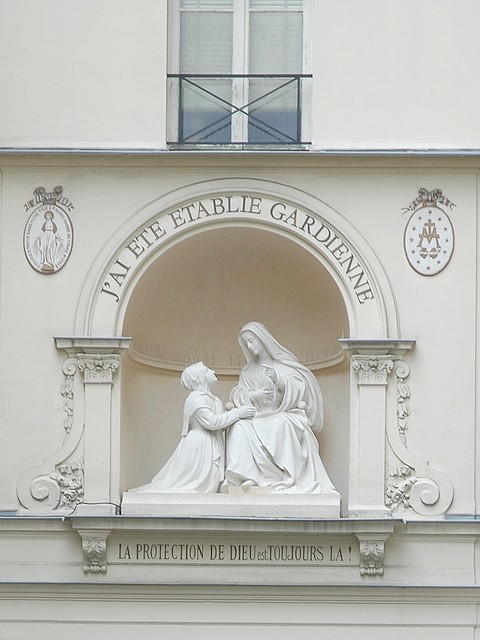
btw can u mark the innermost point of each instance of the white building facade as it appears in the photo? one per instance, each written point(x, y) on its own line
point(169, 172)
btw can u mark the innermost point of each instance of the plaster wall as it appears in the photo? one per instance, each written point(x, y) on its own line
point(389, 75)
point(439, 312)
point(385, 75)
point(281, 613)
point(89, 74)
point(428, 589)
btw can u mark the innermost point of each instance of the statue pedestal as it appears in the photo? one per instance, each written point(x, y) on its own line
point(261, 505)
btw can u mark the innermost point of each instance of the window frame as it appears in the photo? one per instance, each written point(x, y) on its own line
point(240, 66)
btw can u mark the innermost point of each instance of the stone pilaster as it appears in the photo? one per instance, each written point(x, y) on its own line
point(98, 360)
point(372, 361)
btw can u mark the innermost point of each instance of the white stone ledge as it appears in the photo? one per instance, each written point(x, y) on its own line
point(236, 505)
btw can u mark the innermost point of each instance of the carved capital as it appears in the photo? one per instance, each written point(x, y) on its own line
point(372, 369)
point(372, 555)
point(94, 547)
point(98, 368)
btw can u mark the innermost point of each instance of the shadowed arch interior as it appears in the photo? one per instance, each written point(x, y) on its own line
point(191, 303)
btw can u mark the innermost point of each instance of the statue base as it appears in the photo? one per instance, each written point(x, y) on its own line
point(237, 503)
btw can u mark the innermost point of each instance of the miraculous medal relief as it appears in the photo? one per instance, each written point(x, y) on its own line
point(48, 235)
point(238, 205)
point(429, 239)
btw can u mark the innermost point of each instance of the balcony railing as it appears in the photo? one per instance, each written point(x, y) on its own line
point(238, 109)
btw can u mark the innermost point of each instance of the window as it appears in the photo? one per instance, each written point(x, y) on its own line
point(240, 73)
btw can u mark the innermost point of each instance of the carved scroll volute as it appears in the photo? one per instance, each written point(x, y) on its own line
point(414, 484)
point(56, 483)
point(371, 365)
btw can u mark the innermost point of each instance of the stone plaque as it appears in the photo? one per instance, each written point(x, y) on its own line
point(48, 235)
point(429, 237)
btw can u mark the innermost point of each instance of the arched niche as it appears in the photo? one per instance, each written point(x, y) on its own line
point(190, 304)
point(195, 265)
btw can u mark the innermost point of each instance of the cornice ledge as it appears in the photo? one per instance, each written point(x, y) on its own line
point(92, 344)
point(377, 346)
point(341, 526)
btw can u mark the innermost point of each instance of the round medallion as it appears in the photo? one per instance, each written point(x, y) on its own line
point(48, 238)
point(429, 240)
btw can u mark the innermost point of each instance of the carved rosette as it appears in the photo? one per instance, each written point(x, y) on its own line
point(372, 369)
point(98, 368)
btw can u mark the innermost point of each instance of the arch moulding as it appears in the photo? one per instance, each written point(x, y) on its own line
point(227, 203)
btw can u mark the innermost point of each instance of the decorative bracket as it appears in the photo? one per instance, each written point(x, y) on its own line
point(70, 478)
point(372, 553)
point(415, 484)
point(94, 546)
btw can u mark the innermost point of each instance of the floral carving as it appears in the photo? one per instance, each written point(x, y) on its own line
point(403, 395)
point(69, 368)
point(69, 478)
point(98, 368)
point(399, 486)
point(372, 369)
point(416, 484)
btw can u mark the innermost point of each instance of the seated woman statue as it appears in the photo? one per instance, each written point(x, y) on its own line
point(198, 463)
point(276, 449)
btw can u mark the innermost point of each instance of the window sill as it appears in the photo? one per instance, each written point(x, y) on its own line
point(240, 146)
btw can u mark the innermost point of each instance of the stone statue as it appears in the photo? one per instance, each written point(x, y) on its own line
point(276, 448)
point(198, 463)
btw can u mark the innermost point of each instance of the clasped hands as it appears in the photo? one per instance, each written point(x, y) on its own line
point(246, 411)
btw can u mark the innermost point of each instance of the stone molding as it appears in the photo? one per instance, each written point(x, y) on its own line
point(94, 532)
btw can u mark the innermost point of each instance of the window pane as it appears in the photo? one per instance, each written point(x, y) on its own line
point(273, 111)
point(205, 48)
point(276, 47)
point(206, 112)
point(206, 42)
point(276, 42)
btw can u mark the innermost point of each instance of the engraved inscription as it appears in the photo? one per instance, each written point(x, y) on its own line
point(236, 552)
point(222, 208)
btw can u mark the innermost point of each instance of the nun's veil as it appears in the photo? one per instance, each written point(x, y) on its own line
point(279, 353)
